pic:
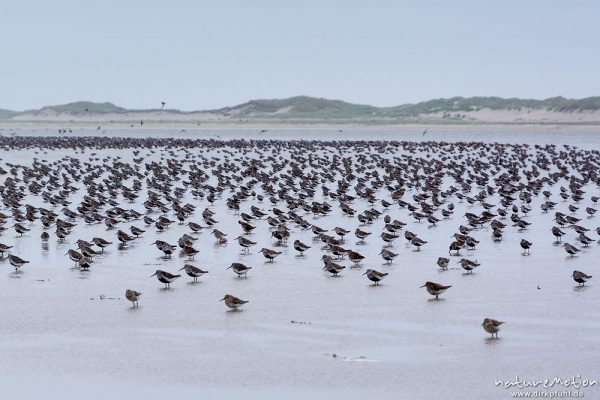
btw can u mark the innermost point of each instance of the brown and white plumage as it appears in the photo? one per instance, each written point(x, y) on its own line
point(580, 277)
point(443, 262)
point(435, 289)
point(240, 269)
point(165, 277)
point(233, 302)
point(193, 271)
point(491, 326)
point(375, 276)
point(132, 296)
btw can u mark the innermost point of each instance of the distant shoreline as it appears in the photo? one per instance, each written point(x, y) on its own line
point(318, 113)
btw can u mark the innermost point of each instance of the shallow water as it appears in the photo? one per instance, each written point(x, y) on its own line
point(59, 339)
point(586, 137)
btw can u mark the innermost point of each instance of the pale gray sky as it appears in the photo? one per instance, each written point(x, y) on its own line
point(207, 54)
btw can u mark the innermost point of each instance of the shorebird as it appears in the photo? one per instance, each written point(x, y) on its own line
point(281, 234)
point(570, 249)
point(388, 237)
point(468, 265)
point(186, 240)
point(136, 231)
point(497, 235)
point(4, 248)
point(132, 296)
point(375, 276)
point(88, 251)
point(190, 251)
point(388, 255)
point(233, 302)
point(355, 257)
point(195, 227)
point(334, 247)
point(341, 232)
point(240, 269)
point(124, 238)
point(220, 236)
point(418, 242)
point(585, 240)
point(557, 233)
point(301, 247)
point(269, 254)
point(165, 247)
point(74, 255)
point(20, 229)
point(247, 227)
point(332, 267)
point(98, 241)
point(432, 220)
point(61, 234)
point(257, 212)
point(165, 277)
point(580, 277)
point(362, 235)
point(317, 230)
point(193, 271)
point(491, 326)
point(435, 289)
point(85, 263)
point(16, 261)
point(45, 236)
point(443, 262)
point(471, 242)
point(455, 246)
point(525, 245)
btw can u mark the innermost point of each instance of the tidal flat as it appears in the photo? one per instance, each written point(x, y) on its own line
point(70, 333)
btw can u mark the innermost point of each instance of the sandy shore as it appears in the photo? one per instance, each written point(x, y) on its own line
point(49, 118)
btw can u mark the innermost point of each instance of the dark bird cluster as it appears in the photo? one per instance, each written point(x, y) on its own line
point(349, 196)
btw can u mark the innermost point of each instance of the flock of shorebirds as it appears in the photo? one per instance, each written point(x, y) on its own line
point(280, 186)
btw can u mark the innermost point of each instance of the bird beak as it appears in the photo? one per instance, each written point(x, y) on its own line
point(152, 275)
point(422, 286)
point(222, 299)
point(181, 268)
point(365, 273)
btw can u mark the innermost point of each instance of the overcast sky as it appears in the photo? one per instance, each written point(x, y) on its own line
point(208, 54)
